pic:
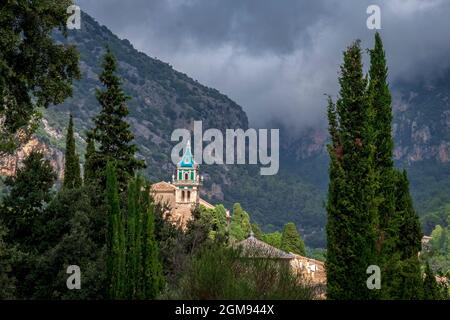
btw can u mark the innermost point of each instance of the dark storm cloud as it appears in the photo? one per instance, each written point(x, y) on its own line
point(256, 25)
point(277, 58)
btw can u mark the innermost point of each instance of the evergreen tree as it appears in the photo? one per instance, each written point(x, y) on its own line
point(256, 229)
point(371, 219)
point(72, 177)
point(399, 232)
point(240, 226)
point(220, 220)
point(75, 235)
point(400, 263)
point(137, 266)
point(352, 202)
point(7, 281)
point(381, 116)
point(430, 286)
point(115, 245)
point(133, 251)
point(153, 275)
point(30, 192)
point(291, 240)
point(111, 131)
point(380, 100)
point(401, 279)
point(89, 162)
point(273, 238)
point(409, 230)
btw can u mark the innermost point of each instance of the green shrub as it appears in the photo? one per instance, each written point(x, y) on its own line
point(219, 272)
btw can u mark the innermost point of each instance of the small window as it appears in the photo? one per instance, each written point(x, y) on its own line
point(186, 176)
point(188, 196)
point(182, 196)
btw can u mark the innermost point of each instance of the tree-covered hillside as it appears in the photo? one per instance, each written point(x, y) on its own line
point(162, 100)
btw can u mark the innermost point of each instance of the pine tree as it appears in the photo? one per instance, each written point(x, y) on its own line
point(115, 245)
point(72, 177)
point(291, 240)
point(89, 160)
point(111, 131)
point(352, 203)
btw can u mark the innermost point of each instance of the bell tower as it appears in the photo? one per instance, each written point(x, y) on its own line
point(187, 180)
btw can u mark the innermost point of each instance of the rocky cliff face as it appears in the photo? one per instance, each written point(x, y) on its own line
point(422, 122)
point(10, 164)
point(421, 125)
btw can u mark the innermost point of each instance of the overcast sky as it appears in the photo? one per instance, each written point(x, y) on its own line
point(276, 58)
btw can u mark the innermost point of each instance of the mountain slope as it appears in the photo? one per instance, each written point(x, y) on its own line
point(422, 145)
point(163, 100)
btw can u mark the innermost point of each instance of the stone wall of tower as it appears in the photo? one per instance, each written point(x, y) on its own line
point(187, 195)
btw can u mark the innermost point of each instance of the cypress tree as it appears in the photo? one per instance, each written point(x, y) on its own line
point(430, 286)
point(291, 240)
point(153, 276)
point(381, 116)
point(111, 130)
point(352, 203)
point(132, 254)
point(380, 100)
point(144, 278)
point(401, 270)
point(89, 164)
point(409, 228)
point(141, 210)
point(72, 177)
point(371, 219)
point(115, 238)
point(399, 232)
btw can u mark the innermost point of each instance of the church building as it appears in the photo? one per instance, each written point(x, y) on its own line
point(183, 193)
